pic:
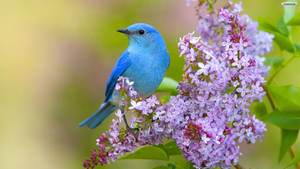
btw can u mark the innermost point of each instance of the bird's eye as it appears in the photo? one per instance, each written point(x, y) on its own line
point(141, 32)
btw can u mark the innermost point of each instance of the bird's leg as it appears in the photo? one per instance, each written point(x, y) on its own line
point(127, 126)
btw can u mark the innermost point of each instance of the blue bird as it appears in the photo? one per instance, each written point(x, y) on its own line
point(144, 62)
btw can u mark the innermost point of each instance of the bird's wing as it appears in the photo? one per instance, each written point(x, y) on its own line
point(120, 67)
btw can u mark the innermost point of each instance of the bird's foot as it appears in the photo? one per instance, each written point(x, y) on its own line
point(129, 129)
point(132, 131)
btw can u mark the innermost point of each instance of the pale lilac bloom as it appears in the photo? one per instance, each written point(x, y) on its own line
point(134, 104)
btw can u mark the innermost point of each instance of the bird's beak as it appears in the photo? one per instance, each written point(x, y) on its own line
point(125, 31)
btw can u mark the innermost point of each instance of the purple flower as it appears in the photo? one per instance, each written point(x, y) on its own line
point(220, 81)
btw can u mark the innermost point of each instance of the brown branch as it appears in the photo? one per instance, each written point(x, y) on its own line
point(238, 166)
point(293, 156)
point(269, 97)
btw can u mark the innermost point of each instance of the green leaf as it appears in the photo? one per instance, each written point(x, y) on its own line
point(162, 167)
point(288, 138)
point(283, 41)
point(274, 61)
point(295, 21)
point(171, 148)
point(171, 166)
point(264, 25)
point(294, 160)
point(282, 27)
point(168, 85)
point(165, 98)
point(148, 152)
point(286, 98)
point(230, 90)
point(297, 46)
point(260, 109)
point(285, 120)
point(181, 163)
point(289, 11)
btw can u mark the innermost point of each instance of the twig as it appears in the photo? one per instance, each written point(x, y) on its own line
point(293, 156)
point(269, 97)
point(129, 129)
point(238, 166)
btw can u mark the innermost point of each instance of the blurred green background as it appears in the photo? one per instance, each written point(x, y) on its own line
point(56, 56)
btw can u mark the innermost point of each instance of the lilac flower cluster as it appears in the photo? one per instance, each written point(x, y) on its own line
point(117, 141)
point(223, 74)
point(111, 145)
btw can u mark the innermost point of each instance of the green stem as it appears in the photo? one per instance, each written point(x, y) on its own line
point(280, 69)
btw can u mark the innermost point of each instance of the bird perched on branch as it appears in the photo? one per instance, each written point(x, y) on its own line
point(144, 62)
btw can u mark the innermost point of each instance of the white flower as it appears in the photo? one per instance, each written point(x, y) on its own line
point(203, 69)
point(205, 139)
point(119, 115)
point(134, 104)
point(118, 87)
point(194, 40)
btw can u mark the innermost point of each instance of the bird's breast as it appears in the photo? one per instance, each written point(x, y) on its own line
point(147, 73)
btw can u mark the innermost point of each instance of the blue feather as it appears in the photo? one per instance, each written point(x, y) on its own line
point(97, 118)
point(122, 64)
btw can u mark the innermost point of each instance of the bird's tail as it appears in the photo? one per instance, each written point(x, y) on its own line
point(96, 119)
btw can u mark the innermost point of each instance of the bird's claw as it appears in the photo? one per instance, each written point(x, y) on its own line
point(131, 130)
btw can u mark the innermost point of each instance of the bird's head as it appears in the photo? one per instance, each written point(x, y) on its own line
point(143, 35)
